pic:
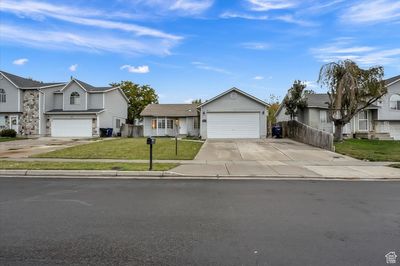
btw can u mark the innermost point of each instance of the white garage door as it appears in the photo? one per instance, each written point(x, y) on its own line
point(233, 125)
point(71, 128)
point(395, 130)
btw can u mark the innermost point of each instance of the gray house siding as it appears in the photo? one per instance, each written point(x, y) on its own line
point(115, 107)
point(74, 87)
point(95, 101)
point(57, 102)
point(51, 99)
point(13, 96)
point(385, 112)
point(226, 103)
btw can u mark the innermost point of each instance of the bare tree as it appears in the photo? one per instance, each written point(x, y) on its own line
point(350, 89)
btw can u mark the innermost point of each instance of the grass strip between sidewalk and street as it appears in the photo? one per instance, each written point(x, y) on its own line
point(4, 139)
point(371, 150)
point(128, 148)
point(397, 165)
point(41, 165)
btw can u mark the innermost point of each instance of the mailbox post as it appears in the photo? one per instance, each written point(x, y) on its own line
point(151, 141)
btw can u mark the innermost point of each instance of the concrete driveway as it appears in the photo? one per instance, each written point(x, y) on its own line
point(28, 147)
point(278, 157)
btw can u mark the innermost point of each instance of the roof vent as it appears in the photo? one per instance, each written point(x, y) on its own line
point(233, 95)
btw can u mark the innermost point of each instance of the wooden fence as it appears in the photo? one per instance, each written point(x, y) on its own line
point(306, 134)
point(128, 130)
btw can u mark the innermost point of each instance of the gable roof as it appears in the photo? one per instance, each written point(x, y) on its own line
point(170, 110)
point(392, 80)
point(87, 87)
point(237, 90)
point(21, 82)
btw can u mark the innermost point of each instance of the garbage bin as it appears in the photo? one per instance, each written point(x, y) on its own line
point(109, 132)
point(103, 132)
point(277, 131)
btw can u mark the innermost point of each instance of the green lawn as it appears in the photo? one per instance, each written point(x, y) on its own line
point(40, 165)
point(372, 150)
point(128, 148)
point(3, 139)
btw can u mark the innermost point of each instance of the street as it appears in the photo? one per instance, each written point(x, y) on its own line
point(197, 222)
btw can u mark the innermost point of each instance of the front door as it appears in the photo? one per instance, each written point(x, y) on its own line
point(14, 123)
point(182, 126)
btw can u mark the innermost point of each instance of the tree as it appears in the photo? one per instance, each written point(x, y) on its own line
point(273, 106)
point(139, 97)
point(350, 89)
point(295, 100)
point(196, 101)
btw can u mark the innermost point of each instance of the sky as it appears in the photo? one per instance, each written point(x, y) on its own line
point(187, 49)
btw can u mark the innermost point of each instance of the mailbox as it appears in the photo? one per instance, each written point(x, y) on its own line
point(151, 141)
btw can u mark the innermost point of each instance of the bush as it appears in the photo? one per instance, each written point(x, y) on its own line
point(10, 133)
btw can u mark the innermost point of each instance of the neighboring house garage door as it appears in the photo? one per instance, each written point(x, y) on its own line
point(233, 125)
point(395, 130)
point(71, 128)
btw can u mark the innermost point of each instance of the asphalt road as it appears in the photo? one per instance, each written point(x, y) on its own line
point(152, 222)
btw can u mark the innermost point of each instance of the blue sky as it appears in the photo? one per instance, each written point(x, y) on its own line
point(189, 49)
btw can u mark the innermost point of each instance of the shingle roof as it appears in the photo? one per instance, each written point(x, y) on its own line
point(392, 79)
point(75, 111)
point(321, 100)
point(26, 82)
point(170, 110)
point(89, 87)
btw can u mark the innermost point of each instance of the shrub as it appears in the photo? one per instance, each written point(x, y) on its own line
point(10, 133)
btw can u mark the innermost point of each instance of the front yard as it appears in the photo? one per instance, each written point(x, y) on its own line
point(129, 148)
point(39, 165)
point(371, 150)
point(4, 139)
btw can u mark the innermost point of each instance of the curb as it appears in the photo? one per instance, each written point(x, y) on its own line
point(168, 175)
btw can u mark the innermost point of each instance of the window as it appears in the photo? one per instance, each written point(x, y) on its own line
point(170, 123)
point(196, 122)
point(154, 123)
point(395, 102)
point(161, 123)
point(74, 98)
point(3, 96)
point(363, 121)
point(2, 122)
point(118, 123)
point(323, 116)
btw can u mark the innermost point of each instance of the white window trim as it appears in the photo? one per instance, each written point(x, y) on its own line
point(366, 119)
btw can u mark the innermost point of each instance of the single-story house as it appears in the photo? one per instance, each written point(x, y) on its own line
point(61, 109)
point(381, 120)
point(233, 114)
point(170, 120)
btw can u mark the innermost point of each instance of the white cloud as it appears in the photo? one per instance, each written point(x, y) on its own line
point(139, 69)
point(201, 65)
point(256, 45)
point(229, 14)
point(178, 7)
point(20, 62)
point(258, 78)
point(73, 67)
point(84, 41)
point(372, 11)
point(265, 5)
point(293, 20)
point(344, 48)
point(192, 6)
point(74, 15)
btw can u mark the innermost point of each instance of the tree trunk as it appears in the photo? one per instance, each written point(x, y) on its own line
point(338, 136)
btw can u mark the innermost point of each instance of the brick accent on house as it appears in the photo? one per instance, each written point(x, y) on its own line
point(29, 119)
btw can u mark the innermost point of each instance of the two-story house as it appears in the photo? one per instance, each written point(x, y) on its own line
point(62, 109)
point(380, 120)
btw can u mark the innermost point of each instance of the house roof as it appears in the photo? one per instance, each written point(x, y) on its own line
point(91, 88)
point(170, 110)
point(392, 80)
point(61, 111)
point(237, 90)
point(27, 82)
